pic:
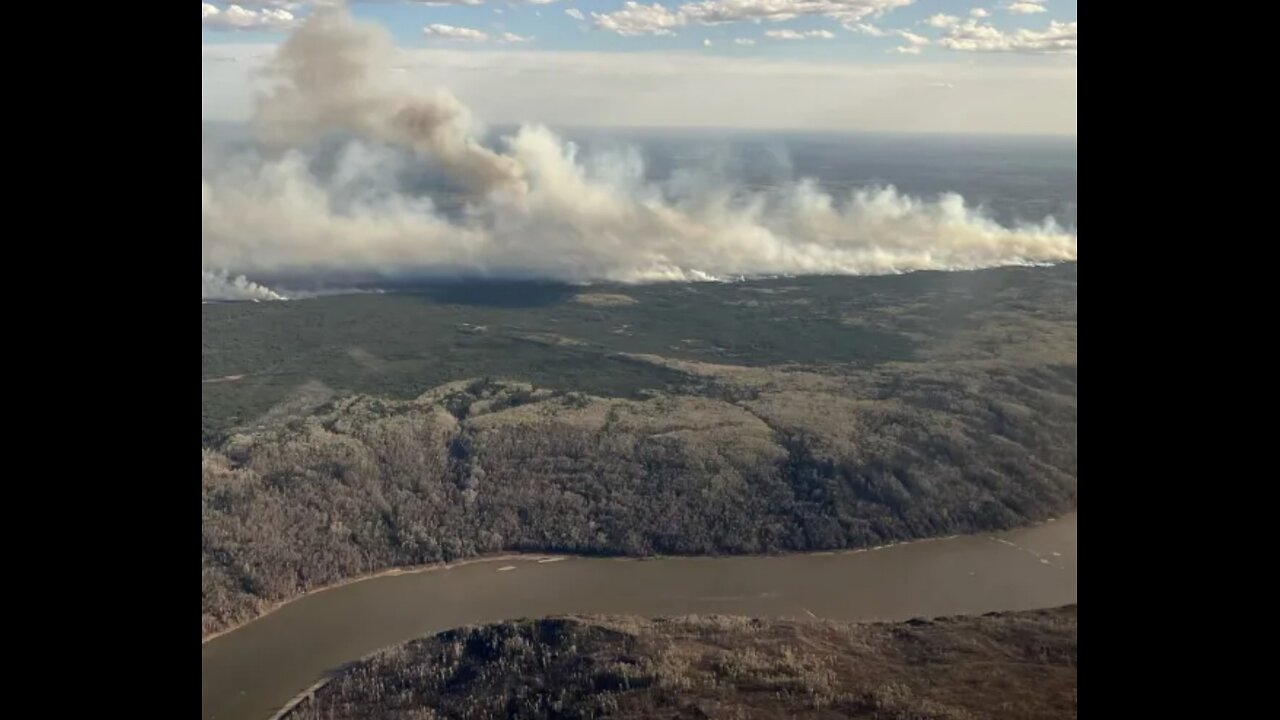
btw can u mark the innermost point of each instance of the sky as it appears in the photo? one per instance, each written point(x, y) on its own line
point(938, 66)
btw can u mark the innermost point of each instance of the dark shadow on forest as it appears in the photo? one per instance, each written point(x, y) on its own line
point(498, 293)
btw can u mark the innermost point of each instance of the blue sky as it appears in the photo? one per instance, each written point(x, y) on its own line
point(548, 26)
point(1017, 56)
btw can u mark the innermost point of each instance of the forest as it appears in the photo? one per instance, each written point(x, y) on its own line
point(969, 424)
point(697, 667)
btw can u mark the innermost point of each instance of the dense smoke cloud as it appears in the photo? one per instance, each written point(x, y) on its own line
point(534, 207)
point(219, 286)
point(328, 79)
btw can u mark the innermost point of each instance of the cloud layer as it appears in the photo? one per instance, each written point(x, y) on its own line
point(634, 18)
point(238, 17)
point(637, 18)
point(973, 36)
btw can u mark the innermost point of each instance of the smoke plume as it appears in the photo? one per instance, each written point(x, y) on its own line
point(332, 75)
point(218, 286)
point(534, 207)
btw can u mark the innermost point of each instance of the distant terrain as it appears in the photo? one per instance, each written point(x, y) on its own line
point(350, 434)
point(1006, 665)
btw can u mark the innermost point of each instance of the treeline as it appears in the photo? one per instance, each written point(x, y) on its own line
point(482, 467)
point(401, 344)
point(1015, 665)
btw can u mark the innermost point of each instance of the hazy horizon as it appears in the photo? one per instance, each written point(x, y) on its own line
point(494, 129)
point(671, 90)
point(935, 66)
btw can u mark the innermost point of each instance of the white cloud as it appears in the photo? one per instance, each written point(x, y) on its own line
point(285, 4)
point(472, 3)
point(1025, 7)
point(444, 3)
point(464, 34)
point(798, 35)
point(727, 11)
point(971, 36)
point(451, 32)
point(635, 18)
point(706, 42)
point(575, 13)
point(914, 41)
point(236, 17)
point(743, 41)
point(942, 21)
point(979, 13)
point(865, 29)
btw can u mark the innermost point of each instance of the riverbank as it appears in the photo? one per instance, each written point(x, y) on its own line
point(390, 572)
point(1024, 664)
point(535, 557)
point(304, 641)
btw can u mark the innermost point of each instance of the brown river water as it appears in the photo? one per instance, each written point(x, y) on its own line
point(251, 672)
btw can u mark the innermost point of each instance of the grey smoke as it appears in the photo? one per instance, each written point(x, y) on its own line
point(535, 207)
point(333, 74)
point(219, 286)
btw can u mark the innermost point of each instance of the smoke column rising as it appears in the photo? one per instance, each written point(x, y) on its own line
point(218, 286)
point(331, 76)
point(534, 207)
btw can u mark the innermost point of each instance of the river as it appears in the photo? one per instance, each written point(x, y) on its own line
point(249, 673)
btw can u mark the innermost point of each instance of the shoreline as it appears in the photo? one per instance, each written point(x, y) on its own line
point(287, 709)
point(535, 557)
point(389, 572)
